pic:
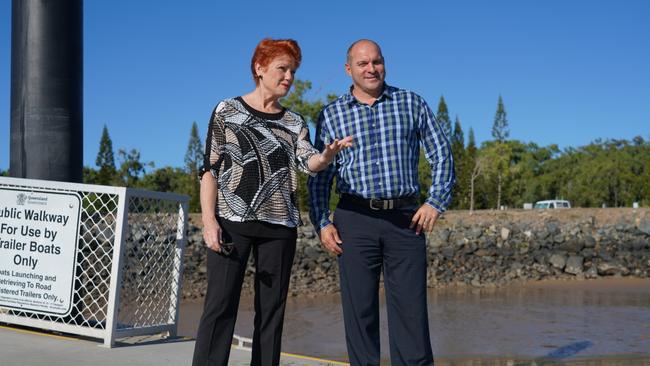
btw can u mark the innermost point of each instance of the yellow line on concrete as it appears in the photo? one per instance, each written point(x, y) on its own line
point(38, 333)
point(315, 359)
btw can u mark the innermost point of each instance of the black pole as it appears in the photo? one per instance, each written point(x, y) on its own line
point(47, 90)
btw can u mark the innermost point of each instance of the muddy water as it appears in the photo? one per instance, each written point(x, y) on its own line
point(605, 320)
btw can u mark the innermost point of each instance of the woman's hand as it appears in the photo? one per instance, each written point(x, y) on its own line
point(334, 148)
point(212, 235)
point(320, 161)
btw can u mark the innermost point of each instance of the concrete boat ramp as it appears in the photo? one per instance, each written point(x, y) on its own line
point(26, 347)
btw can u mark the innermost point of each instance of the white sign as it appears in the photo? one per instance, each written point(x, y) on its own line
point(38, 245)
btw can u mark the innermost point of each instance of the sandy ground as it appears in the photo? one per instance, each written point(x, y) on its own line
point(608, 318)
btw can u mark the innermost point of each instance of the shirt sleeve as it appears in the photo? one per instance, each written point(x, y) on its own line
point(320, 184)
point(437, 151)
point(214, 143)
point(304, 150)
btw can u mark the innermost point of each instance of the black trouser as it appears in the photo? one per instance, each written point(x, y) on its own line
point(372, 241)
point(273, 260)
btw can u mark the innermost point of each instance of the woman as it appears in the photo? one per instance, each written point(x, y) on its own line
point(248, 203)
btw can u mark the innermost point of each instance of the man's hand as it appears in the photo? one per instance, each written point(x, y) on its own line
point(329, 238)
point(212, 235)
point(424, 219)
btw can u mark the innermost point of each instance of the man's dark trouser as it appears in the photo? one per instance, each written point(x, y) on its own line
point(273, 259)
point(373, 240)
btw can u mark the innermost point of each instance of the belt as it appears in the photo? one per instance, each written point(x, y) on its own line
point(379, 204)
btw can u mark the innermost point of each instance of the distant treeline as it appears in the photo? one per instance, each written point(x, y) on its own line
point(500, 172)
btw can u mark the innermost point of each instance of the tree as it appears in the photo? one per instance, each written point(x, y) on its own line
point(167, 179)
point(458, 152)
point(526, 166)
point(194, 153)
point(470, 166)
point(443, 116)
point(500, 156)
point(471, 143)
point(193, 162)
point(500, 130)
point(424, 176)
point(296, 101)
point(477, 170)
point(105, 160)
point(131, 168)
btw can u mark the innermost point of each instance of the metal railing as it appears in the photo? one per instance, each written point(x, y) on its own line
point(127, 264)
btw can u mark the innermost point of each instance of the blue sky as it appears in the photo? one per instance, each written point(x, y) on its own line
point(569, 71)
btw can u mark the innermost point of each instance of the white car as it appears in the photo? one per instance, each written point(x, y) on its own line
point(552, 204)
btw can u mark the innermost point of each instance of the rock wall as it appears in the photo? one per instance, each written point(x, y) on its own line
point(487, 248)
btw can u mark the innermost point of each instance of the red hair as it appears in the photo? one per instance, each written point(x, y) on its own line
point(268, 49)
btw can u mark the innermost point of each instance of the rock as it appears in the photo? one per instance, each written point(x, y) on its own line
point(448, 252)
point(517, 269)
point(488, 242)
point(470, 248)
point(609, 268)
point(624, 256)
point(443, 235)
point(475, 233)
point(590, 242)
point(540, 268)
point(312, 253)
point(573, 246)
point(574, 265)
point(486, 251)
point(552, 227)
point(592, 272)
point(461, 242)
point(639, 245)
point(624, 225)
point(523, 247)
point(543, 234)
point(588, 253)
point(574, 231)
point(603, 254)
point(558, 260)
point(483, 252)
point(310, 233)
point(505, 233)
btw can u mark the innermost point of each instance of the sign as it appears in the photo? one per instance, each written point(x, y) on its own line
point(38, 245)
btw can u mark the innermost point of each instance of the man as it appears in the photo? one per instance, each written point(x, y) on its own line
point(378, 224)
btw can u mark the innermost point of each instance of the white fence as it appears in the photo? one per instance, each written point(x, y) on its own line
point(127, 264)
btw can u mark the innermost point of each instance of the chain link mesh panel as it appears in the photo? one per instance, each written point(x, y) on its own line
point(151, 263)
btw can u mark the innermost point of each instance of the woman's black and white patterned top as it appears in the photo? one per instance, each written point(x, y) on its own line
point(254, 157)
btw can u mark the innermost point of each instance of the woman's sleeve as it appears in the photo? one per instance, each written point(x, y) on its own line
point(304, 150)
point(214, 143)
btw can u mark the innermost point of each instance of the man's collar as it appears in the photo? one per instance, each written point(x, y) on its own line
point(386, 93)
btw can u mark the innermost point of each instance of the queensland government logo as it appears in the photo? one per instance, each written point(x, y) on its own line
point(21, 198)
